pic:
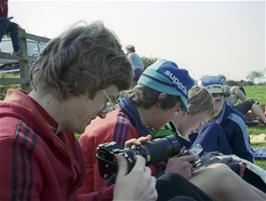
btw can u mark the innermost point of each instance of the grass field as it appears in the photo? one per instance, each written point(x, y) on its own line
point(259, 94)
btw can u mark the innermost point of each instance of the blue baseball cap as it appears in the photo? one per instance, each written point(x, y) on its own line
point(214, 84)
point(165, 76)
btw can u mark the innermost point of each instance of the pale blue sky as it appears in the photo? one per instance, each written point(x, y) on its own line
point(205, 37)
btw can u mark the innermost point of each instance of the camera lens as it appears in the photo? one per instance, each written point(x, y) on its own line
point(162, 148)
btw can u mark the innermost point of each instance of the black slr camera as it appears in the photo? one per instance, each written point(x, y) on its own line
point(157, 150)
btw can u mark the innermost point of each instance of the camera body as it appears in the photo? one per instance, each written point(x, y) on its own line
point(157, 150)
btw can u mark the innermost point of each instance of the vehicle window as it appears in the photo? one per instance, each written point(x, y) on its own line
point(33, 48)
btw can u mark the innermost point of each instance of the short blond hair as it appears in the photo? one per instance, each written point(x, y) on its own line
point(199, 100)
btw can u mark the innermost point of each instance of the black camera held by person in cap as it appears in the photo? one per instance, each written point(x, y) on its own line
point(157, 150)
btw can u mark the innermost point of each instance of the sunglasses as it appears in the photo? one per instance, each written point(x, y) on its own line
point(215, 95)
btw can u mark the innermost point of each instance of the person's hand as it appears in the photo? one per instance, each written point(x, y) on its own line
point(138, 184)
point(132, 143)
point(182, 165)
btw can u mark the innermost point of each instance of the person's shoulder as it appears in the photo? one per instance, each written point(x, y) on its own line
point(212, 125)
point(235, 112)
point(10, 126)
point(229, 109)
point(18, 133)
point(236, 117)
point(99, 128)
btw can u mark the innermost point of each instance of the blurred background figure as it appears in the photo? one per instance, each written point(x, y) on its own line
point(136, 61)
point(8, 27)
point(236, 97)
point(228, 117)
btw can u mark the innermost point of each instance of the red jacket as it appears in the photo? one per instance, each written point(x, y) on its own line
point(117, 126)
point(35, 162)
point(3, 8)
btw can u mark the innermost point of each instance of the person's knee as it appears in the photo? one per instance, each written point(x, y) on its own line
point(222, 171)
point(235, 90)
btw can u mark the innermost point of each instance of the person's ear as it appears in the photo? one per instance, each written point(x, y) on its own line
point(161, 97)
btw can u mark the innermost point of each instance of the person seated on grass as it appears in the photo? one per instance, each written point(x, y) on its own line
point(210, 136)
point(236, 94)
point(233, 124)
point(230, 119)
point(161, 92)
point(200, 110)
point(40, 158)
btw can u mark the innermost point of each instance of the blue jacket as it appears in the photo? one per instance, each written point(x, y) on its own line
point(235, 129)
point(212, 138)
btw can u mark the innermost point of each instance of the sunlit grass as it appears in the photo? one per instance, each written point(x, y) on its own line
point(261, 163)
point(257, 92)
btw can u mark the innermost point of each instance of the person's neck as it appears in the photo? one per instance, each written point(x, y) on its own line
point(147, 116)
point(50, 104)
point(180, 123)
point(184, 129)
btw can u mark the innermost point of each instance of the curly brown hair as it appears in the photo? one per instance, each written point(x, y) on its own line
point(82, 60)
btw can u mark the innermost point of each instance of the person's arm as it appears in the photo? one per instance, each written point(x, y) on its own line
point(20, 177)
point(213, 138)
point(181, 165)
point(241, 143)
point(238, 93)
point(138, 184)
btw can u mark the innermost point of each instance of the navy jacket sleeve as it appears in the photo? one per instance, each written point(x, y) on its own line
point(212, 138)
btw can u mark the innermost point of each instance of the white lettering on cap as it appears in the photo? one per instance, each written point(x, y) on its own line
point(176, 81)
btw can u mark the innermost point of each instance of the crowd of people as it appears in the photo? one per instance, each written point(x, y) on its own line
point(75, 88)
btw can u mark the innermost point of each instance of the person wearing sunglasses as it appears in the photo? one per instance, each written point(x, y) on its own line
point(71, 81)
point(229, 118)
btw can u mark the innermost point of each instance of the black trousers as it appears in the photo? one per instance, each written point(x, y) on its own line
point(245, 106)
point(7, 26)
point(174, 187)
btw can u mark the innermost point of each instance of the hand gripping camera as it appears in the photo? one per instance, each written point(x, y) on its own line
point(157, 150)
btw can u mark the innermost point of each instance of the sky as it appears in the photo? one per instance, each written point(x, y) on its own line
point(204, 37)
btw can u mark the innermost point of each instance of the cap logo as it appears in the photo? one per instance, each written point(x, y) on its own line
point(176, 81)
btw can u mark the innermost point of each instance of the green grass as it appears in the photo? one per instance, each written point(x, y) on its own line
point(255, 130)
point(257, 92)
point(3, 88)
point(261, 163)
